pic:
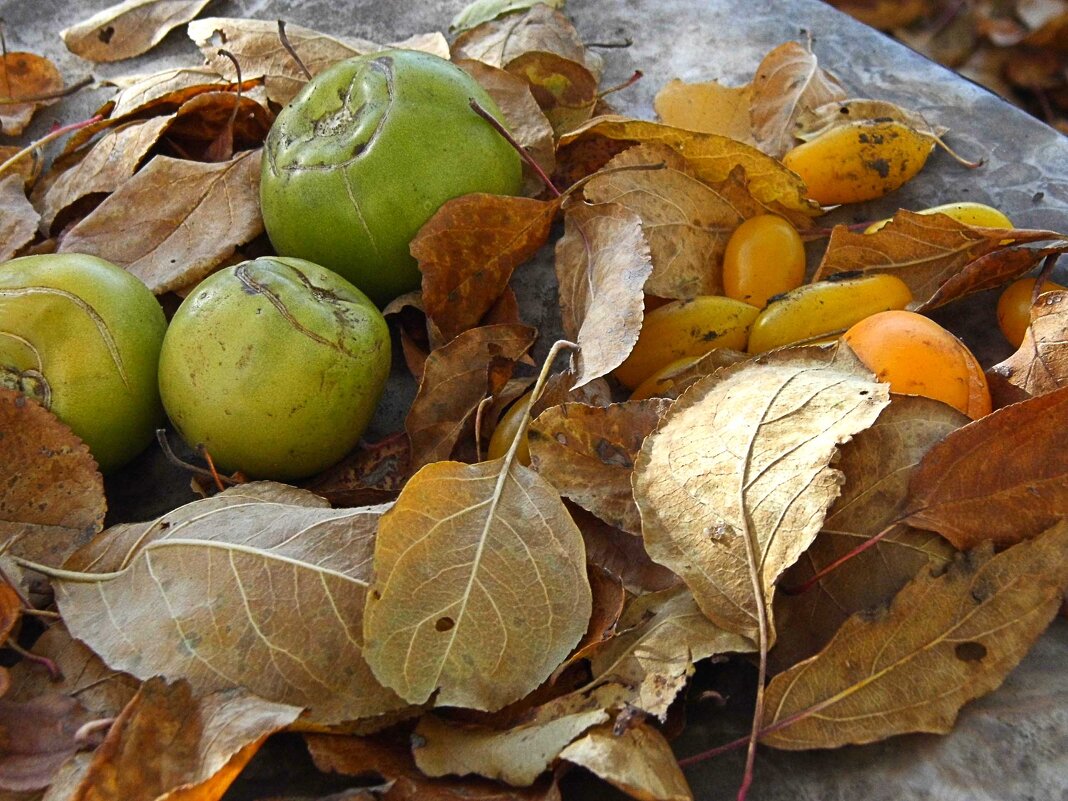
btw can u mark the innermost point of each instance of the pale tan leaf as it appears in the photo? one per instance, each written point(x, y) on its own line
point(1040, 365)
point(638, 761)
point(687, 222)
point(18, 218)
point(588, 452)
point(129, 28)
point(788, 83)
point(189, 217)
point(602, 263)
point(734, 484)
point(660, 636)
point(261, 586)
point(500, 41)
point(708, 107)
point(479, 11)
point(944, 641)
point(517, 755)
point(169, 87)
point(109, 163)
point(480, 586)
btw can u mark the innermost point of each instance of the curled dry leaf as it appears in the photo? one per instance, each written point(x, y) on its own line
point(539, 29)
point(987, 272)
point(53, 499)
point(673, 383)
point(1041, 363)
point(168, 743)
point(25, 75)
point(708, 107)
point(563, 88)
point(209, 128)
point(660, 636)
point(373, 473)
point(602, 264)
point(129, 28)
point(18, 218)
point(877, 465)
point(190, 217)
point(638, 761)
point(261, 586)
point(1002, 479)
point(163, 92)
point(588, 452)
point(608, 600)
point(480, 586)
point(468, 250)
point(944, 641)
point(456, 377)
point(520, 754)
point(686, 221)
point(109, 162)
point(38, 736)
point(734, 484)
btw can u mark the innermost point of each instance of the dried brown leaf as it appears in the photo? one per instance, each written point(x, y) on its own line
point(609, 598)
point(129, 28)
point(877, 465)
point(1041, 363)
point(686, 221)
point(36, 738)
point(187, 218)
point(1002, 478)
point(500, 41)
point(708, 107)
point(672, 384)
point(261, 586)
point(25, 75)
point(480, 586)
point(602, 263)
point(53, 498)
point(788, 83)
point(734, 484)
point(885, 15)
point(712, 157)
point(455, 379)
point(944, 641)
point(10, 612)
point(207, 127)
point(622, 555)
point(588, 452)
point(18, 218)
point(638, 761)
point(563, 88)
point(165, 91)
point(988, 272)
point(170, 744)
point(468, 250)
point(29, 168)
point(373, 473)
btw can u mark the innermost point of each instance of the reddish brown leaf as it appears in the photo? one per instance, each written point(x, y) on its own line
point(1041, 363)
point(588, 453)
point(18, 219)
point(988, 272)
point(206, 126)
point(564, 89)
point(608, 599)
point(36, 737)
point(53, 498)
point(129, 28)
point(602, 263)
point(622, 555)
point(169, 744)
point(373, 473)
point(455, 380)
point(1003, 478)
point(468, 250)
point(190, 217)
point(25, 75)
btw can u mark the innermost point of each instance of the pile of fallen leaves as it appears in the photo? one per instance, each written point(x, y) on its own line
point(1017, 49)
point(883, 559)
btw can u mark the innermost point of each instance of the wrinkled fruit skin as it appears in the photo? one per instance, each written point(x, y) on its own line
point(366, 153)
point(82, 337)
point(275, 366)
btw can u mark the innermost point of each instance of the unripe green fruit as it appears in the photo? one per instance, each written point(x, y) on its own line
point(82, 337)
point(275, 366)
point(366, 153)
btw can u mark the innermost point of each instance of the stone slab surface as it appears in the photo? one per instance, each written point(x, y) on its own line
point(1010, 746)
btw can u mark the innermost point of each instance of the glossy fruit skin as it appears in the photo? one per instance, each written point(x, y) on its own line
point(660, 383)
point(1014, 308)
point(366, 153)
point(764, 258)
point(276, 366)
point(967, 212)
point(507, 428)
point(917, 356)
point(82, 336)
point(860, 161)
point(686, 328)
point(825, 308)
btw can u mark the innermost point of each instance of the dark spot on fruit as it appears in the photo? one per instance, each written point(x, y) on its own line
point(970, 651)
point(881, 166)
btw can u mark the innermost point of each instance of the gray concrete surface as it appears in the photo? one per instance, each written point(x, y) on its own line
point(1010, 746)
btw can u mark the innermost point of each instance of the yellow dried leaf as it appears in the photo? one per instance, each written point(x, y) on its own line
point(708, 107)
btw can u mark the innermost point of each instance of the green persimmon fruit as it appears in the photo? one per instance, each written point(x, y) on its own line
point(275, 366)
point(82, 337)
point(367, 152)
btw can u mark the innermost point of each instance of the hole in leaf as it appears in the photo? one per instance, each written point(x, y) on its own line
point(105, 34)
point(970, 651)
point(444, 623)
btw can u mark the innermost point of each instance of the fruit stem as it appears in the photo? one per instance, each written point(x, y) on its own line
point(522, 151)
point(51, 136)
point(172, 457)
point(67, 90)
point(633, 79)
point(29, 656)
point(289, 48)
